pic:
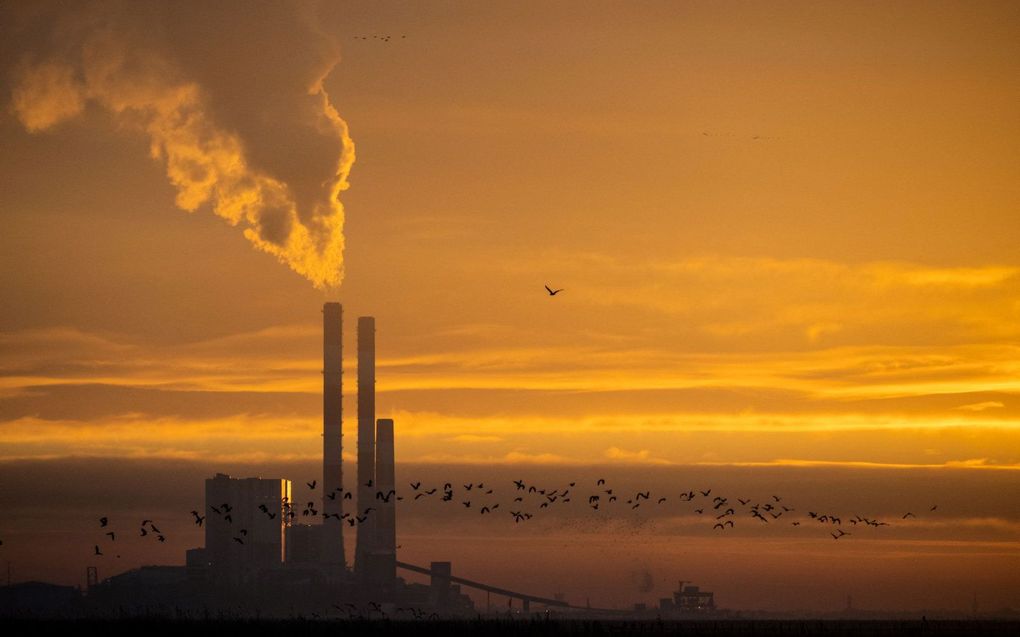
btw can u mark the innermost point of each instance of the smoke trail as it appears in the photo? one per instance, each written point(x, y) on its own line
point(230, 96)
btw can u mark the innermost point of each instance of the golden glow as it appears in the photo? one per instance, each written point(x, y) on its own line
point(787, 238)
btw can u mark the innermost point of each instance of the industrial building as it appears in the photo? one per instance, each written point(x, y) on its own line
point(245, 525)
point(252, 535)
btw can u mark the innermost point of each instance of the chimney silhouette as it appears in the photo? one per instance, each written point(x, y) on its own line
point(367, 486)
point(332, 435)
point(386, 521)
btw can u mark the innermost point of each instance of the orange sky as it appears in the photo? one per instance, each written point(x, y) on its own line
point(787, 235)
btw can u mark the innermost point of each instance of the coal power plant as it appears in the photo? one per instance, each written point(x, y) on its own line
point(259, 558)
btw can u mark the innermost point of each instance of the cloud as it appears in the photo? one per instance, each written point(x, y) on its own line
point(991, 404)
point(643, 456)
point(231, 100)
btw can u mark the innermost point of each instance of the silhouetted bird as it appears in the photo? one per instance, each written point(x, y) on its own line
point(934, 506)
point(96, 550)
point(112, 534)
point(415, 485)
point(161, 538)
point(143, 532)
point(311, 485)
point(103, 522)
point(908, 515)
point(239, 540)
point(552, 292)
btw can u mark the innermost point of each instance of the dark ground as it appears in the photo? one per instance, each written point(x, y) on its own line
point(489, 627)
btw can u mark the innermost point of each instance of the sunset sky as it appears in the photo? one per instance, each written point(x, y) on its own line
point(787, 232)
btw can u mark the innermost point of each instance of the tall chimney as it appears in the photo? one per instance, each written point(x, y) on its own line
point(332, 435)
point(386, 521)
point(367, 486)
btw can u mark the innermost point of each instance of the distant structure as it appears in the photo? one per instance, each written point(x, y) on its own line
point(261, 557)
point(248, 532)
point(251, 530)
point(367, 485)
point(332, 539)
point(691, 599)
point(385, 551)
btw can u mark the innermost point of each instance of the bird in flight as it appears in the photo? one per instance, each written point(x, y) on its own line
point(552, 292)
point(311, 485)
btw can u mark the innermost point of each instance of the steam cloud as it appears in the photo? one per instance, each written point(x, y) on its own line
point(230, 96)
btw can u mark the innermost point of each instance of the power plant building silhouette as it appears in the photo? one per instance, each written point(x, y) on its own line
point(245, 527)
point(256, 534)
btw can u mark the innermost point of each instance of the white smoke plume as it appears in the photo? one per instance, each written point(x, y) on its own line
point(229, 94)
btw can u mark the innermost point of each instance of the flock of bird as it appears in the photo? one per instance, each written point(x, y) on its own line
point(381, 38)
point(527, 501)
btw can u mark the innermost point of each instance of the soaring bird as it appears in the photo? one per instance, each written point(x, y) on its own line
point(908, 515)
point(311, 485)
point(552, 292)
